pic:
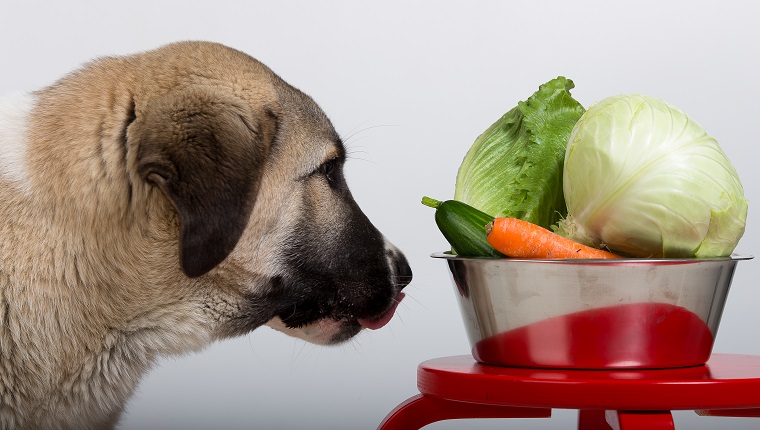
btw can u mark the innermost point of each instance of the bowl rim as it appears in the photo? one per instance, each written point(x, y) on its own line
point(447, 255)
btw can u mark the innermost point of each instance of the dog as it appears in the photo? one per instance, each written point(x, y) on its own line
point(154, 203)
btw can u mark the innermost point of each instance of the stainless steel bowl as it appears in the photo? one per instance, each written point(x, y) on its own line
point(592, 314)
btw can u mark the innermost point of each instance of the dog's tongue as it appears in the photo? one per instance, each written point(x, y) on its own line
point(381, 321)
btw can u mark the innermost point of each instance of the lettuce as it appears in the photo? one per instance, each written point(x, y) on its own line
point(515, 168)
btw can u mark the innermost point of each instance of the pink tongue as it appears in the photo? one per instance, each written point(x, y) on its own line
point(376, 323)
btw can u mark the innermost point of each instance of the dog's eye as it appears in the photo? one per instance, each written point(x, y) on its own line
point(327, 169)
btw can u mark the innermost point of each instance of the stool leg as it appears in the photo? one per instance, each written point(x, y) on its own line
point(420, 410)
point(592, 420)
point(638, 420)
point(743, 413)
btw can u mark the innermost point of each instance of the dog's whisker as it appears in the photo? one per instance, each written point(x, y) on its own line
point(352, 155)
point(356, 131)
point(355, 343)
point(349, 142)
point(296, 352)
point(250, 344)
point(351, 147)
point(408, 296)
point(400, 320)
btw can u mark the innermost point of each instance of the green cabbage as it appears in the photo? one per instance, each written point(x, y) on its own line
point(643, 179)
point(514, 168)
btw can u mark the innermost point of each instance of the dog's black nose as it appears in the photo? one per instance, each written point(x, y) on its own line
point(403, 273)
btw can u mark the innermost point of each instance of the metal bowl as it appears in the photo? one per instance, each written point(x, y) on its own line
point(592, 314)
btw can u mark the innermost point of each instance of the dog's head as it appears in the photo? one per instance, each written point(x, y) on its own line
point(253, 170)
point(155, 202)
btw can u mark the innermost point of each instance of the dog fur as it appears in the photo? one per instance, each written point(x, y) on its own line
point(154, 203)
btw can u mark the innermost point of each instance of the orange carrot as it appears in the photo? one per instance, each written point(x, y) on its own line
point(522, 239)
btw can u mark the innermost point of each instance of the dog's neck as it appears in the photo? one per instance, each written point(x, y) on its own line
point(70, 329)
point(14, 110)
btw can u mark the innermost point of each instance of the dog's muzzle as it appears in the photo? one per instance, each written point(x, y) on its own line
point(401, 276)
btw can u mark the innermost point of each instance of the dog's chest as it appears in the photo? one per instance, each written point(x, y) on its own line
point(15, 111)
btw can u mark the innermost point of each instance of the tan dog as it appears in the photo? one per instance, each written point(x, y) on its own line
point(154, 203)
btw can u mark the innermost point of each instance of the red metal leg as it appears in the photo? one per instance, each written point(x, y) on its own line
point(627, 420)
point(592, 420)
point(741, 413)
point(420, 410)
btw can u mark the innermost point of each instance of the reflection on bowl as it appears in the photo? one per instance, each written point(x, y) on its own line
point(592, 314)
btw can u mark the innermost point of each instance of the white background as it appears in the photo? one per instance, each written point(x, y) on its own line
point(410, 85)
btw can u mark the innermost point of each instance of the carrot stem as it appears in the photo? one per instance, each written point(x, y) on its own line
point(522, 239)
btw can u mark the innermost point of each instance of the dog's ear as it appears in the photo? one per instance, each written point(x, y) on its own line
point(205, 150)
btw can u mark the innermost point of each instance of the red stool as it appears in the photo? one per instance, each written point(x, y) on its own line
point(459, 387)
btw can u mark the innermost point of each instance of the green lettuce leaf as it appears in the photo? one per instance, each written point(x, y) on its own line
point(514, 169)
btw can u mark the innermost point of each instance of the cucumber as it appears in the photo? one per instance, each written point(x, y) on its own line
point(463, 226)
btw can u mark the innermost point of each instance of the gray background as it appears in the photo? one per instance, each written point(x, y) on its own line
point(410, 85)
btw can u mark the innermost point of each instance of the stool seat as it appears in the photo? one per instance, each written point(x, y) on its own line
point(460, 387)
